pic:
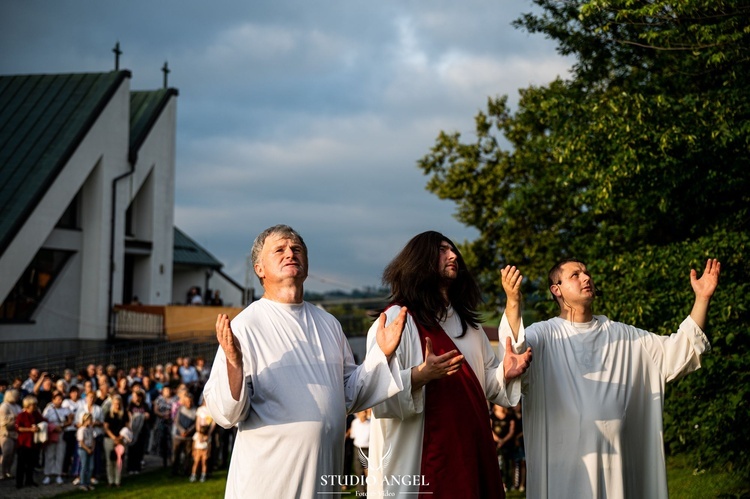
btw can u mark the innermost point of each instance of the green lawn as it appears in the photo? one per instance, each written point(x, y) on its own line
point(684, 483)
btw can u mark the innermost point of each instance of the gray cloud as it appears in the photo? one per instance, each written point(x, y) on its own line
point(307, 113)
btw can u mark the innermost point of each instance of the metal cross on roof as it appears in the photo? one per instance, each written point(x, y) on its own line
point(166, 71)
point(117, 52)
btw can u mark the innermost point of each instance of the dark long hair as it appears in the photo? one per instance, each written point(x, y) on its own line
point(414, 279)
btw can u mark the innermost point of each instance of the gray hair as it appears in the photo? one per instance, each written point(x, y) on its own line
point(281, 230)
point(12, 396)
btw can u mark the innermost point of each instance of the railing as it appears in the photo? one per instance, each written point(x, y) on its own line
point(170, 322)
point(132, 324)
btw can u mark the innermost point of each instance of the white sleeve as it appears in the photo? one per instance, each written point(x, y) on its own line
point(405, 403)
point(373, 381)
point(225, 410)
point(679, 353)
point(510, 392)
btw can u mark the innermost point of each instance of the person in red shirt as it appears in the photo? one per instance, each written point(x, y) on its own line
point(27, 449)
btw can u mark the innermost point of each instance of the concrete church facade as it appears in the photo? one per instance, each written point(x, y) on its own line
point(87, 171)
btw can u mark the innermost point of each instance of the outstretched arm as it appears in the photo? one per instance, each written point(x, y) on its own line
point(704, 288)
point(511, 280)
point(231, 347)
point(515, 364)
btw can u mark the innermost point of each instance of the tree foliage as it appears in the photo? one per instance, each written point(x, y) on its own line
point(638, 164)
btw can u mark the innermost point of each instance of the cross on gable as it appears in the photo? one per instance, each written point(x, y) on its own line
point(117, 52)
point(166, 71)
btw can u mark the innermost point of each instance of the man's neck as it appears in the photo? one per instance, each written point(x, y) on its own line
point(444, 294)
point(576, 314)
point(291, 293)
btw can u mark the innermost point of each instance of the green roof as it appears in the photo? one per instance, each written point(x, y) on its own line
point(188, 252)
point(145, 109)
point(43, 119)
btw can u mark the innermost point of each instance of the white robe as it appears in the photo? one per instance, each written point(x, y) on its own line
point(397, 426)
point(300, 381)
point(592, 406)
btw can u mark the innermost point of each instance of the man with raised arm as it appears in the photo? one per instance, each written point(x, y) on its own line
point(285, 375)
point(594, 395)
point(434, 439)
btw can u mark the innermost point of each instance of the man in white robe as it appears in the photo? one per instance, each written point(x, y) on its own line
point(593, 397)
point(285, 376)
point(430, 273)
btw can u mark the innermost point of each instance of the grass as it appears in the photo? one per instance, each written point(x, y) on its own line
point(683, 482)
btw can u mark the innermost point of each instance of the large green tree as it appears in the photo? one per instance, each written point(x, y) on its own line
point(638, 162)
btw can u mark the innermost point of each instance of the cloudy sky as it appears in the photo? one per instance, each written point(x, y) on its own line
point(312, 114)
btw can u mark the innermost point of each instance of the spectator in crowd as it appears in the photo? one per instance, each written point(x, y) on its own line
point(162, 437)
point(182, 434)
point(111, 372)
point(207, 426)
point(61, 386)
point(194, 296)
point(158, 377)
point(123, 388)
point(201, 448)
point(174, 375)
point(17, 382)
point(43, 390)
point(70, 378)
point(504, 432)
point(58, 419)
point(216, 300)
point(91, 375)
point(27, 388)
point(86, 446)
point(202, 369)
point(103, 390)
point(114, 421)
point(27, 450)
point(150, 390)
point(188, 373)
point(140, 419)
point(9, 409)
point(88, 387)
point(73, 404)
point(359, 432)
point(97, 417)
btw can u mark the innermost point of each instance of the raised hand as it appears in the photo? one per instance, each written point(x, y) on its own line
point(511, 281)
point(515, 364)
point(705, 286)
point(228, 341)
point(435, 366)
point(389, 338)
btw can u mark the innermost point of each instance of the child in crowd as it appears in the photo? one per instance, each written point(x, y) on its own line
point(85, 436)
point(200, 452)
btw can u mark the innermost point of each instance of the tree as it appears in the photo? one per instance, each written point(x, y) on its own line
point(637, 163)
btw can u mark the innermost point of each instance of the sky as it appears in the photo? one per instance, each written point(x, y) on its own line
point(311, 114)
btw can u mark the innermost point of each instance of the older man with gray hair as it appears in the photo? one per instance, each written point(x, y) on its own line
point(285, 376)
point(9, 409)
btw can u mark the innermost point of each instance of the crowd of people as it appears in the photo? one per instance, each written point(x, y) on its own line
point(95, 426)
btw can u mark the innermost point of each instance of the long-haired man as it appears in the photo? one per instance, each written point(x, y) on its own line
point(434, 437)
